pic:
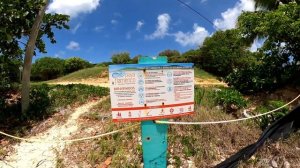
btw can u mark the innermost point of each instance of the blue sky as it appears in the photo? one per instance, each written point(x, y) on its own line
point(100, 28)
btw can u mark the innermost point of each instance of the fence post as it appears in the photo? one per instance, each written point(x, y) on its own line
point(154, 136)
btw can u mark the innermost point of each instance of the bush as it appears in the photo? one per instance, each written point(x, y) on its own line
point(63, 95)
point(40, 105)
point(121, 58)
point(199, 94)
point(74, 64)
point(44, 99)
point(230, 99)
point(47, 68)
point(269, 119)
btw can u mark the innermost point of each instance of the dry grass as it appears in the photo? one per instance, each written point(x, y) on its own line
point(198, 146)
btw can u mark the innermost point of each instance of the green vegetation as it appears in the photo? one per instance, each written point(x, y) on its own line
point(121, 58)
point(74, 64)
point(223, 52)
point(200, 73)
point(230, 99)
point(45, 100)
point(278, 61)
point(268, 106)
point(47, 68)
point(94, 72)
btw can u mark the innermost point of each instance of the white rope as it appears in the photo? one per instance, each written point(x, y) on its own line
point(69, 140)
point(225, 121)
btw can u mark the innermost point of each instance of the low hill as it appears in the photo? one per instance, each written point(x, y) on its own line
point(98, 76)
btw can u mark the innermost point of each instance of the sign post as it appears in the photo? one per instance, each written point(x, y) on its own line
point(151, 90)
point(154, 136)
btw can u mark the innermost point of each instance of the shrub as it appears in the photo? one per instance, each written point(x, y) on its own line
point(229, 99)
point(47, 68)
point(75, 63)
point(199, 94)
point(63, 95)
point(44, 99)
point(121, 58)
point(269, 119)
point(40, 105)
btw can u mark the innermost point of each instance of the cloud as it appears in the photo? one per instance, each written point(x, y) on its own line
point(73, 46)
point(162, 27)
point(114, 22)
point(139, 25)
point(229, 17)
point(99, 28)
point(202, 1)
point(74, 30)
point(192, 38)
point(73, 7)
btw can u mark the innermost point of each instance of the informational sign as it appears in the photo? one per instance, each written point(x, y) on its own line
point(151, 91)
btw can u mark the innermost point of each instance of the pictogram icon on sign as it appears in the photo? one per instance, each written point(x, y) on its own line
point(162, 112)
point(181, 110)
point(129, 114)
point(171, 110)
point(119, 115)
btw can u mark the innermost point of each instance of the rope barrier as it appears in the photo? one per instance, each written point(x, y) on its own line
point(69, 140)
point(156, 121)
point(225, 121)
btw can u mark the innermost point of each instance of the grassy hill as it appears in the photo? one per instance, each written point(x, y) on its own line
point(100, 71)
point(94, 72)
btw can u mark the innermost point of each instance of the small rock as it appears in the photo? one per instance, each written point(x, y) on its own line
point(286, 164)
point(274, 164)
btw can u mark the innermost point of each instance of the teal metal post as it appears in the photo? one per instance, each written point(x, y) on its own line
point(154, 136)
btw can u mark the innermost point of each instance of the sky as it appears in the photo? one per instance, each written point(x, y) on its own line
point(101, 28)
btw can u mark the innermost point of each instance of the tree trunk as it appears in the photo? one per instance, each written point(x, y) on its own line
point(28, 57)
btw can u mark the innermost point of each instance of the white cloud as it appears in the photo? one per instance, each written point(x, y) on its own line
point(74, 30)
point(202, 1)
point(161, 28)
point(73, 7)
point(229, 17)
point(139, 25)
point(114, 22)
point(73, 46)
point(99, 28)
point(192, 38)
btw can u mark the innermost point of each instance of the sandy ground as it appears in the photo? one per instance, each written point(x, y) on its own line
point(44, 154)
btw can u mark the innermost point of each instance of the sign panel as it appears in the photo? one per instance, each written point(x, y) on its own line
point(151, 91)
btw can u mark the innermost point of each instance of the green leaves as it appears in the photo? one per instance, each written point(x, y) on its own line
point(17, 18)
point(121, 58)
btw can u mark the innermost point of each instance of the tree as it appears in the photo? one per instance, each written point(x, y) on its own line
point(47, 68)
point(223, 52)
point(75, 63)
point(279, 57)
point(173, 55)
point(135, 59)
point(29, 51)
point(22, 20)
point(271, 4)
point(193, 56)
point(121, 58)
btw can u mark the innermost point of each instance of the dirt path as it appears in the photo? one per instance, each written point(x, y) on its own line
point(44, 154)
